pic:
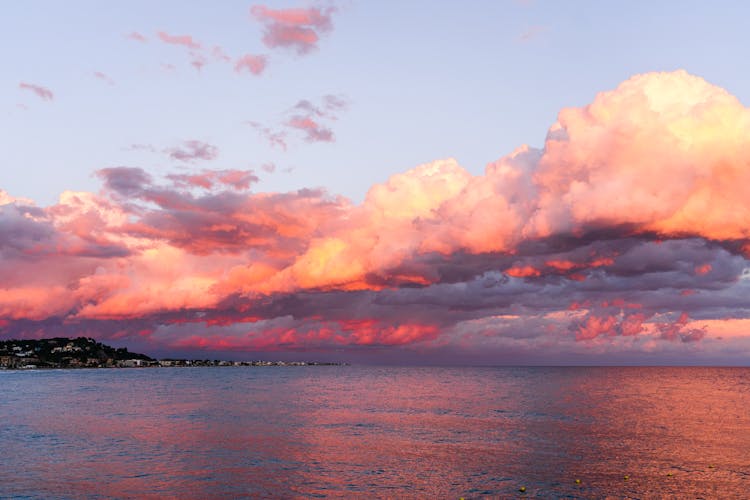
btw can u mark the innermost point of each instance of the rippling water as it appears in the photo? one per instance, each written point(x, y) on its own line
point(376, 432)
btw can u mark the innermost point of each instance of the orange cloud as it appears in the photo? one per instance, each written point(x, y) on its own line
point(660, 158)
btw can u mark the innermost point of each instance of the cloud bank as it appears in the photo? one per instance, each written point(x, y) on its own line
point(625, 237)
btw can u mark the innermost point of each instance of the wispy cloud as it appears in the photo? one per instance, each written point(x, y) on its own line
point(531, 32)
point(137, 37)
point(313, 130)
point(219, 55)
point(306, 117)
point(275, 138)
point(208, 179)
point(269, 167)
point(183, 40)
point(43, 92)
point(193, 150)
point(103, 77)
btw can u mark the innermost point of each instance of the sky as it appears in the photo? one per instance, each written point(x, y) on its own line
point(518, 182)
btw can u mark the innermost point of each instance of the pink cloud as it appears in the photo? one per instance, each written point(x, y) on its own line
point(103, 77)
point(219, 54)
point(531, 33)
point(314, 131)
point(194, 150)
point(137, 37)
point(307, 117)
point(585, 245)
point(297, 29)
point(42, 92)
point(236, 179)
point(197, 60)
point(703, 269)
point(679, 329)
point(251, 63)
point(184, 40)
point(275, 138)
point(595, 326)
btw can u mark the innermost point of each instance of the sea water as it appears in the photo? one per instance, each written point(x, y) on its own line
point(369, 432)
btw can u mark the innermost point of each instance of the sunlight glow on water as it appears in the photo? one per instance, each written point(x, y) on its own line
point(382, 432)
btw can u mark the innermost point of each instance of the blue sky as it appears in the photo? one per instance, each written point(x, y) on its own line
point(423, 81)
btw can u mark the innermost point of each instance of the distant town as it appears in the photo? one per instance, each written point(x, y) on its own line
point(83, 352)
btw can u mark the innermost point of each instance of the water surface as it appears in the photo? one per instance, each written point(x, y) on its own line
point(376, 432)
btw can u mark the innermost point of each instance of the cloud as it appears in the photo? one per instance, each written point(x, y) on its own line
point(275, 138)
point(307, 117)
point(141, 147)
point(193, 150)
point(103, 77)
point(137, 37)
point(183, 40)
point(218, 53)
point(624, 237)
point(531, 33)
point(677, 329)
point(296, 29)
point(127, 181)
point(43, 92)
point(314, 131)
point(197, 60)
point(236, 179)
point(251, 63)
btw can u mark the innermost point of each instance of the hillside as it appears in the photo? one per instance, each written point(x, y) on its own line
point(65, 353)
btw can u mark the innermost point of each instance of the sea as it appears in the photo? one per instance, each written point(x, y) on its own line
point(376, 432)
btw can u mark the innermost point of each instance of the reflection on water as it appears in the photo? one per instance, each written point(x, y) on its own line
point(376, 432)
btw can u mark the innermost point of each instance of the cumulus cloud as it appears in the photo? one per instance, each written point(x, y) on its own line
point(626, 234)
point(42, 92)
point(296, 29)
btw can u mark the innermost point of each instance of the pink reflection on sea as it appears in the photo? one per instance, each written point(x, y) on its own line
point(383, 432)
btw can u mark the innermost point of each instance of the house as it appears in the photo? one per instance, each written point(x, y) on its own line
point(130, 363)
point(8, 362)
